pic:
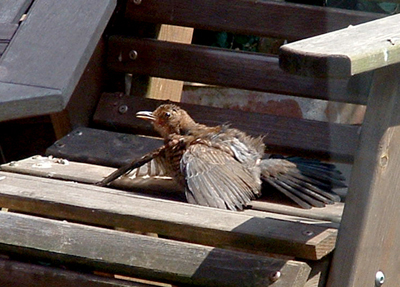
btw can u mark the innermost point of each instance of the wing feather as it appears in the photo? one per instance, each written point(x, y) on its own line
point(213, 176)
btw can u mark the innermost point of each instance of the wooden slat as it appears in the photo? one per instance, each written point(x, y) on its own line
point(141, 256)
point(102, 147)
point(282, 134)
point(253, 71)
point(249, 17)
point(11, 11)
point(14, 273)
point(346, 52)
point(7, 32)
point(192, 223)
point(52, 48)
point(369, 237)
point(64, 169)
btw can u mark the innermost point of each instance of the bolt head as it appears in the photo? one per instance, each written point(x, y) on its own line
point(123, 109)
point(379, 278)
point(133, 55)
point(274, 276)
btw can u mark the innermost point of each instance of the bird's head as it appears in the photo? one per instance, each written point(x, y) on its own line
point(168, 119)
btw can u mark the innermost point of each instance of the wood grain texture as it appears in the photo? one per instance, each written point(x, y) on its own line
point(253, 71)
point(142, 256)
point(71, 30)
point(207, 226)
point(282, 134)
point(14, 273)
point(12, 10)
point(369, 233)
point(248, 17)
point(346, 52)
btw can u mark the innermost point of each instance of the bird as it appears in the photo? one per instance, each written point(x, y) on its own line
point(223, 167)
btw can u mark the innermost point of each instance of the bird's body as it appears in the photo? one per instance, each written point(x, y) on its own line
point(223, 167)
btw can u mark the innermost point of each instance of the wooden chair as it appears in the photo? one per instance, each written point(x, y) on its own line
point(271, 244)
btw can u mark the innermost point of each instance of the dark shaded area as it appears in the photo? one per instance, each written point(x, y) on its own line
point(23, 138)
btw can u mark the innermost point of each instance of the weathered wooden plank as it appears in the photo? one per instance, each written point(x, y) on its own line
point(283, 134)
point(102, 147)
point(245, 70)
point(14, 273)
point(319, 273)
point(7, 32)
point(17, 101)
point(142, 256)
point(346, 52)
point(369, 234)
point(330, 213)
point(249, 17)
point(214, 227)
point(53, 46)
point(12, 10)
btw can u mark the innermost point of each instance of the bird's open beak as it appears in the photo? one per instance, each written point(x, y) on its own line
point(146, 115)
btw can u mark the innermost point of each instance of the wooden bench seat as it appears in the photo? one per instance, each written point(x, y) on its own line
point(257, 233)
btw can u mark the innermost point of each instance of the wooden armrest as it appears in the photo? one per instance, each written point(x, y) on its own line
point(50, 51)
point(347, 52)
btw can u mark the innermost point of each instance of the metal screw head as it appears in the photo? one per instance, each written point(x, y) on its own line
point(133, 55)
point(308, 233)
point(379, 278)
point(274, 276)
point(123, 109)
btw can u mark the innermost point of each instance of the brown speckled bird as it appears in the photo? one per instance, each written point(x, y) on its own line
point(223, 167)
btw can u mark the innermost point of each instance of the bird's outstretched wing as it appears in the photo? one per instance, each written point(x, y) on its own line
point(152, 159)
point(217, 180)
point(307, 182)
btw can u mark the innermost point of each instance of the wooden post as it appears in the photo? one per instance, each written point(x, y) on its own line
point(369, 235)
point(160, 88)
point(166, 89)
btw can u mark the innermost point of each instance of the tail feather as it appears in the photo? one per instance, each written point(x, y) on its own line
point(308, 183)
